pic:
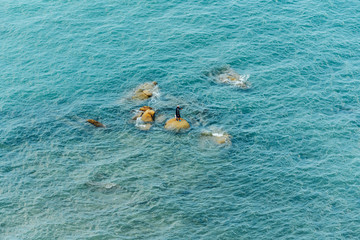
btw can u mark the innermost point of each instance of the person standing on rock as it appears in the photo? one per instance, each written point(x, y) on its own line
point(177, 114)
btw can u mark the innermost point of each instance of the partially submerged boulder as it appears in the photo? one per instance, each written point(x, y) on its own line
point(222, 139)
point(145, 113)
point(95, 123)
point(144, 108)
point(143, 117)
point(145, 91)
point(148, 116)
point(173, 124)
point(230, 76)
point(142, 95)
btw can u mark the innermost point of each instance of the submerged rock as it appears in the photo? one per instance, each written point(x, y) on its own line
point(99, 186)
point(172, 124)
point(218, 137)
point(160, 118)
point(95, 123)
point(145, 91)
point(221, 139)
point(230, 76)
point(144, 127)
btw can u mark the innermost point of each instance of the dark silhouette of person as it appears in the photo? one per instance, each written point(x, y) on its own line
point(177, 113)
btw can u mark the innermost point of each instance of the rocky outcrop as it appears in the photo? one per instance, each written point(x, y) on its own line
point(145, 91)
point(95, 123)
point(172, 124)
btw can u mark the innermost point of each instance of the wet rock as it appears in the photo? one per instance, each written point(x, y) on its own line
point(145, 91)
point(137, 115)
point(95, 123)
point(172, 124)
point(144, 108)
point(148, 116)
point(140, 95)
point(218, 137)
point(141, 111)
point(206, 134)
point(222, 139)
point(228, 75)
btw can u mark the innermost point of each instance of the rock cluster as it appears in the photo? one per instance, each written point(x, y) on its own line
point(146, 115)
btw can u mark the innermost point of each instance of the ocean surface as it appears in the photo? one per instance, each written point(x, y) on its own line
point(291, 170)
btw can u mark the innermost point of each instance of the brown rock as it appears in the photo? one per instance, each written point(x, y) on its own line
point(172, 124)
point(148, 86)
point(140, 95)
point(144, 91)
point(222, 138)
point(148, 116)
point(95, 123)
point(144, 108)
point(147, 93)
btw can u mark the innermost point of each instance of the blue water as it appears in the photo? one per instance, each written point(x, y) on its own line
point(292, 168)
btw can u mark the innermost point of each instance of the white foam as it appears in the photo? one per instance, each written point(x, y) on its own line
point(139, 123)
point(155, 94)
point(218, 134)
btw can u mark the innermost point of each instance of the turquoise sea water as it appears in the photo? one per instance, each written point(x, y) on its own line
point(291, 172)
